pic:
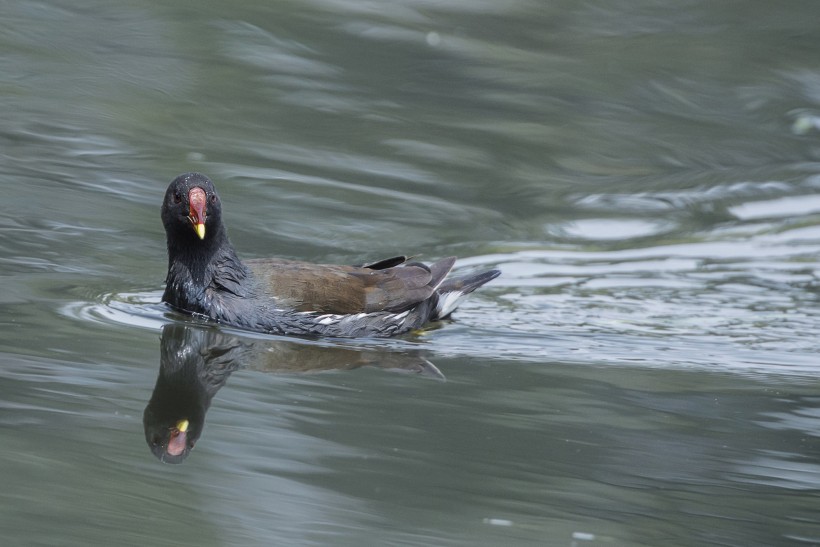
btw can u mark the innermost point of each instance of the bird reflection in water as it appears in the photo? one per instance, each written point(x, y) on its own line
point(196, 361)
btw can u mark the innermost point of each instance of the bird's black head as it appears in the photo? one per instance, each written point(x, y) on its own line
point(191, 210)
point(170, 440)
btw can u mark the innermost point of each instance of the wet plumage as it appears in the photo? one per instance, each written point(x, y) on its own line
point(205, 276)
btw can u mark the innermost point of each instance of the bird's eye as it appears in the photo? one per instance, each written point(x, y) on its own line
point(177, 197)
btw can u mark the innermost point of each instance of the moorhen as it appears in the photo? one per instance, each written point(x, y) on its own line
point(194, 365)
point(278, 296)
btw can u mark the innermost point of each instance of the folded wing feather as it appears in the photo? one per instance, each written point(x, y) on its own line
point(333, 289)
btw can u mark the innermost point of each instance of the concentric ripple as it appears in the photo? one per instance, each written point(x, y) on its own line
point(137, 309)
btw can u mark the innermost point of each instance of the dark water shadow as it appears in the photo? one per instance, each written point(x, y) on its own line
point(196, 361)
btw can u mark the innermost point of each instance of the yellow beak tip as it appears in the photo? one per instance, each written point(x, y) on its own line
point(200, 230)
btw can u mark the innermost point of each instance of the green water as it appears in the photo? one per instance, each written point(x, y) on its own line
point(644, 173)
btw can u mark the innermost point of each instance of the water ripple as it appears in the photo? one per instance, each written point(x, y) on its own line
point(138, 309)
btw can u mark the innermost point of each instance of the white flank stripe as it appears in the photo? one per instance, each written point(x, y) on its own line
point(447, 302)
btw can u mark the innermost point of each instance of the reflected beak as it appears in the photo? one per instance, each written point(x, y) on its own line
point(179, 434)
point(196, 214)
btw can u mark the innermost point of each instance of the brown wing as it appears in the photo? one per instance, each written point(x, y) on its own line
point(326, 288)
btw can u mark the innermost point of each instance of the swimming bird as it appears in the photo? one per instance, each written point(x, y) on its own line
point(289, 297)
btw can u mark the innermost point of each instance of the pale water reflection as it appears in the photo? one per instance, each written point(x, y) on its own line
point(196, 362)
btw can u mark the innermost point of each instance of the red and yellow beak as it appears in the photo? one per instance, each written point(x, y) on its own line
point(179, 434)
point(198, 203)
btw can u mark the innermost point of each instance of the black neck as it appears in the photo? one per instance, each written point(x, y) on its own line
point(195, 265)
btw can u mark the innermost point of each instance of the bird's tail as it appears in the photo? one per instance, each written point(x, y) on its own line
point(451, 292)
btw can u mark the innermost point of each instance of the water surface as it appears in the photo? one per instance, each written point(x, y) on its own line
point(646, 175)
